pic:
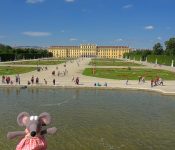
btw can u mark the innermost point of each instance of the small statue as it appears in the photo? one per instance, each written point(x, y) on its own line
point(33, 136)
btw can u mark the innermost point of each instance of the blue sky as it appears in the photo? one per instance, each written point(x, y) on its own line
point(137, 23)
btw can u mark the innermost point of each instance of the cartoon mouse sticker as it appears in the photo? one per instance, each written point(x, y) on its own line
point(33, 136)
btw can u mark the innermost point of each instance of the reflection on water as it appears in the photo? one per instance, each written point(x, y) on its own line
point(94, 119)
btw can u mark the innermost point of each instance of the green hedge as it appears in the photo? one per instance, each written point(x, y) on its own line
point(161, 59)
point(7, 57)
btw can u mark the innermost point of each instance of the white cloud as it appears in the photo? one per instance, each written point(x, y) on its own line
point(36, 34)
point(159, 38)
point(118, 40)
point(127, 6)
point(73, 39)
point(150, 27)
point(69, 1)
point(34, 1)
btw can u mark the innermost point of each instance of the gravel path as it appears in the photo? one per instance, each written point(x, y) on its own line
point(75, 69)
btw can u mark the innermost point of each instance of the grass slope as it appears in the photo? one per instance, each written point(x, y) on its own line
point(41, 62)
point(133, 74)
point(7, 70)
point(112, 63)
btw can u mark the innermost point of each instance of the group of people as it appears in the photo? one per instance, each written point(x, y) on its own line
point(157, 81)
point(141, 79)
point(36, 81)
point(154, 82)
point(98, 84)
point(42, 68)
point(33, 81)
point(54, 82)
point(8, 80)
point(65, 72)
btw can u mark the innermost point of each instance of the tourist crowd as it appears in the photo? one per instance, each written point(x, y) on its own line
point(157, 81)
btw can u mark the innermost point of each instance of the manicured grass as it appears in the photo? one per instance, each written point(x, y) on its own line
point(105, 59)
point(133, 74)
point(112, 63)
point(40, 62)
point(7, 70)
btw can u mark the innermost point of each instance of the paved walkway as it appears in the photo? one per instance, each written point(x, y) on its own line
point(76, 68)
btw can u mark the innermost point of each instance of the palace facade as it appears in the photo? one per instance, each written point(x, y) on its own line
point(88, 50)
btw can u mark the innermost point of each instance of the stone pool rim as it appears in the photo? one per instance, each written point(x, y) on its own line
point(90, 87)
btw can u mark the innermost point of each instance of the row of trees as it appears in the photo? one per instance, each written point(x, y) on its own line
point(169, 50)
point(157, 50)
point(8, 53)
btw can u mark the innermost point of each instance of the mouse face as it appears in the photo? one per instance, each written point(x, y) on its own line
point(33, 123)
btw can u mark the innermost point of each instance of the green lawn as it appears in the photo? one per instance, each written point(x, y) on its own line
point(133, 74)
point(105, 59)
point(7, 70)
point(112, 63)
point(40, 62)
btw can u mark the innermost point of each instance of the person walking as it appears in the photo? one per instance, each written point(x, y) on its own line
point(73, 79)
point(77, 81)
point(126, 81)
point(54, 81)
point(143, 79)
point(106, 84)
point(3, 79)
point(53, 72)
point(37, 80)
point(58, 73)
point(45, 81)
point(160, 81)
point(19, 80)
point(16, 79)
point(32, 79)
point(140, 77)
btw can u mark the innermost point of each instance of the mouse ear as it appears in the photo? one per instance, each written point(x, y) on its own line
point(45, 118)
point(23, 118)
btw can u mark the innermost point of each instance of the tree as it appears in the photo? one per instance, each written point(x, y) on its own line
point(170, 47)
point(158, 49)
point(8, 53)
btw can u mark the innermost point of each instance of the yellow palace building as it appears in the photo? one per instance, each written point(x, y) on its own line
point(88, 50)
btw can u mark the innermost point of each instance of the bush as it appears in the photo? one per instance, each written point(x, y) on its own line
point(129, 68)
